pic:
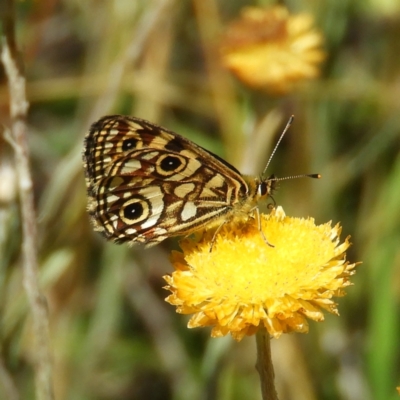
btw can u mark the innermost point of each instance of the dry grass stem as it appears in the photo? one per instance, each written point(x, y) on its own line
point(37, 302)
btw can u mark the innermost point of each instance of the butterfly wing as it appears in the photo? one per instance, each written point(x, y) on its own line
point(146, 183)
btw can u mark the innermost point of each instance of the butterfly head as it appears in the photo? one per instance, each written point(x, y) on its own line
point(266, 186)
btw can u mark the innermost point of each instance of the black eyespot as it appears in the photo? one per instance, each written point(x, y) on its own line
point(170, 163)
point(129, 144)
point(133, 211)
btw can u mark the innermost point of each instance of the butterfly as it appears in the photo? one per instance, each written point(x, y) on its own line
point(146, 183)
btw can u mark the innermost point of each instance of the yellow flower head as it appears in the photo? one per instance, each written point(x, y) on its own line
point(243, 283)
point(269, 49)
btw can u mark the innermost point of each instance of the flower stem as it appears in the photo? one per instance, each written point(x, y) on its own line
point(264, 365)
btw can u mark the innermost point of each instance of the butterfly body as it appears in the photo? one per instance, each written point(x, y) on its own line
point(146, 183)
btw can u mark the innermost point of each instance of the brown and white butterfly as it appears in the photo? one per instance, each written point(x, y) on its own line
point(146, 183)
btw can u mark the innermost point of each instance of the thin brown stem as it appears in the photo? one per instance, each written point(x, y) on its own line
point(18, 110)
point(264, 365)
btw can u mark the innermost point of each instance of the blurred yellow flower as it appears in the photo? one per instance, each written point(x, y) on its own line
point(269, 49)
point(243, 283)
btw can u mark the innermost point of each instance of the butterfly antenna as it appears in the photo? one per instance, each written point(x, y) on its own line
point(315, 176)
point(278, 142)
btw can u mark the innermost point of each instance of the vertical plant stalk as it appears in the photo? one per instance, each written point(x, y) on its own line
point(37, 302)
point(264, 365)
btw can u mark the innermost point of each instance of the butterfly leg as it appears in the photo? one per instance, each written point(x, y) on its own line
point(215, 235)
point(257, 211)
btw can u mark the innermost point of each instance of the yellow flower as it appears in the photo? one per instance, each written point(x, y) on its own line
point(269, 49)
point(243, 283)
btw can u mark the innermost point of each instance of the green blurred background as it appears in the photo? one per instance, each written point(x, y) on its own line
point(113, 336)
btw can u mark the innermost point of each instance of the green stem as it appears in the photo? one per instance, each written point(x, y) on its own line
point(264, 365)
